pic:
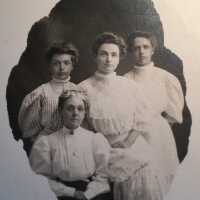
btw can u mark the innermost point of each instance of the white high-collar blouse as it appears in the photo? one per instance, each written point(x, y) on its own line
point(165, 94)
point(117, 106)
point(72, 157)
point(162, 89)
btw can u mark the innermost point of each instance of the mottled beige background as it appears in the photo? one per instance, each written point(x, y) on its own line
point(181, 21)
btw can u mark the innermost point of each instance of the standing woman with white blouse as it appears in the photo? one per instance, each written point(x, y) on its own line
point(165, 94)
point(38, 113)
point(124, 116)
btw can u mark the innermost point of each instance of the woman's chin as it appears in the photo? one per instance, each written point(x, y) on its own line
point(62, 78)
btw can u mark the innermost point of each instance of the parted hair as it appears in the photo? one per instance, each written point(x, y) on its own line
point(74, 92)
point(63, 48)
point(111, 38)
point(143, 34)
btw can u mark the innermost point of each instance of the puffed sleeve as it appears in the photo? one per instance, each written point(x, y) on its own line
point(40, 157)
point(40, 162)
point(175, 101)
point(30, 113)
point(101, 150)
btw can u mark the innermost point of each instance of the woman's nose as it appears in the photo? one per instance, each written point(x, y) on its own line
point(62, 66)
point(75, 112)
point(141, 50)
point(108, 58)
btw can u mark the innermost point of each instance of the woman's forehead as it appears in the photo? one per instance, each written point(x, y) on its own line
point(62, 56)
point(109, 47)
point(74, 100)
point(141, 40)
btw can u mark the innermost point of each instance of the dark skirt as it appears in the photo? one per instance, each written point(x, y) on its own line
point(82, 186)
point(106, 196)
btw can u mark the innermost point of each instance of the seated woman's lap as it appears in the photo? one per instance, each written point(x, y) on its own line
point(106, 196)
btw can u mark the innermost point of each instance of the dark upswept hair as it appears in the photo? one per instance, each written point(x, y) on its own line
point(110, 38)
point(62, 48)
point(144, 34)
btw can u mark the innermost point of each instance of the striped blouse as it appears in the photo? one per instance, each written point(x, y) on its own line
point(38, 113)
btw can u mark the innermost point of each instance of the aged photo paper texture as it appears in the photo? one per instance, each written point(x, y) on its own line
point(29, 28)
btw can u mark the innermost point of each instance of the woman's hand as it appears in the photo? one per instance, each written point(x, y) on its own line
point(79, 195)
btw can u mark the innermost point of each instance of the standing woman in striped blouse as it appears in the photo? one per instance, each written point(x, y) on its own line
point(38, 113)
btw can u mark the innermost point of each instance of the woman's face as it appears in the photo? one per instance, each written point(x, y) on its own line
point(142, 50)
point(61, 66)
point(73, 112)
point(107, 58)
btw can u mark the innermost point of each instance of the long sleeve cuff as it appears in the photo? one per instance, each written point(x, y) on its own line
point(60, 189)
point(95, 188)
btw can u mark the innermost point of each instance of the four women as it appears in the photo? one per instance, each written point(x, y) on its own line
point(143, 159)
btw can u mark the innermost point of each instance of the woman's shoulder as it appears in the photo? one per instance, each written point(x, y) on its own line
point(71, 85)
point(167, 77)
point(91, 134)
point(128, 83)
point(162, 72)
point(124, 79)
point(53, 138)
point(41, 141)
point(36, 94)
point(85, 131)
point(88, 83)
point(41, 89)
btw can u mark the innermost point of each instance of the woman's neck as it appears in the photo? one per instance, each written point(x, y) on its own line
point(102, 75)
point(55, 80)
point(143, 66)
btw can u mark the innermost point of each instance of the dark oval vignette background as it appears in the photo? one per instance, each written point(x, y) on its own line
point(80, 21)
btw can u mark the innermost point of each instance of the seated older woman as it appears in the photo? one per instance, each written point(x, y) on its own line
point(73, 158)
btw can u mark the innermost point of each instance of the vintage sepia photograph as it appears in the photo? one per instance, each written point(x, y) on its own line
point(100, 100)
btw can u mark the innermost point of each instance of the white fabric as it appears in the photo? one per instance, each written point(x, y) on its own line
point(116, 106)
point(72, 157)
point(38, 113)
point(60, 189)
point(122, 110)
point(165, 94)
point(162, 89)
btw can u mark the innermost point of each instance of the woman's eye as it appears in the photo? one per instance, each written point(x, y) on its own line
point(67, 62)
point(146, 47)
point(70, 108)
point(81, 108)
point(55, 63)
point(102, 53)
point(114, 54)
